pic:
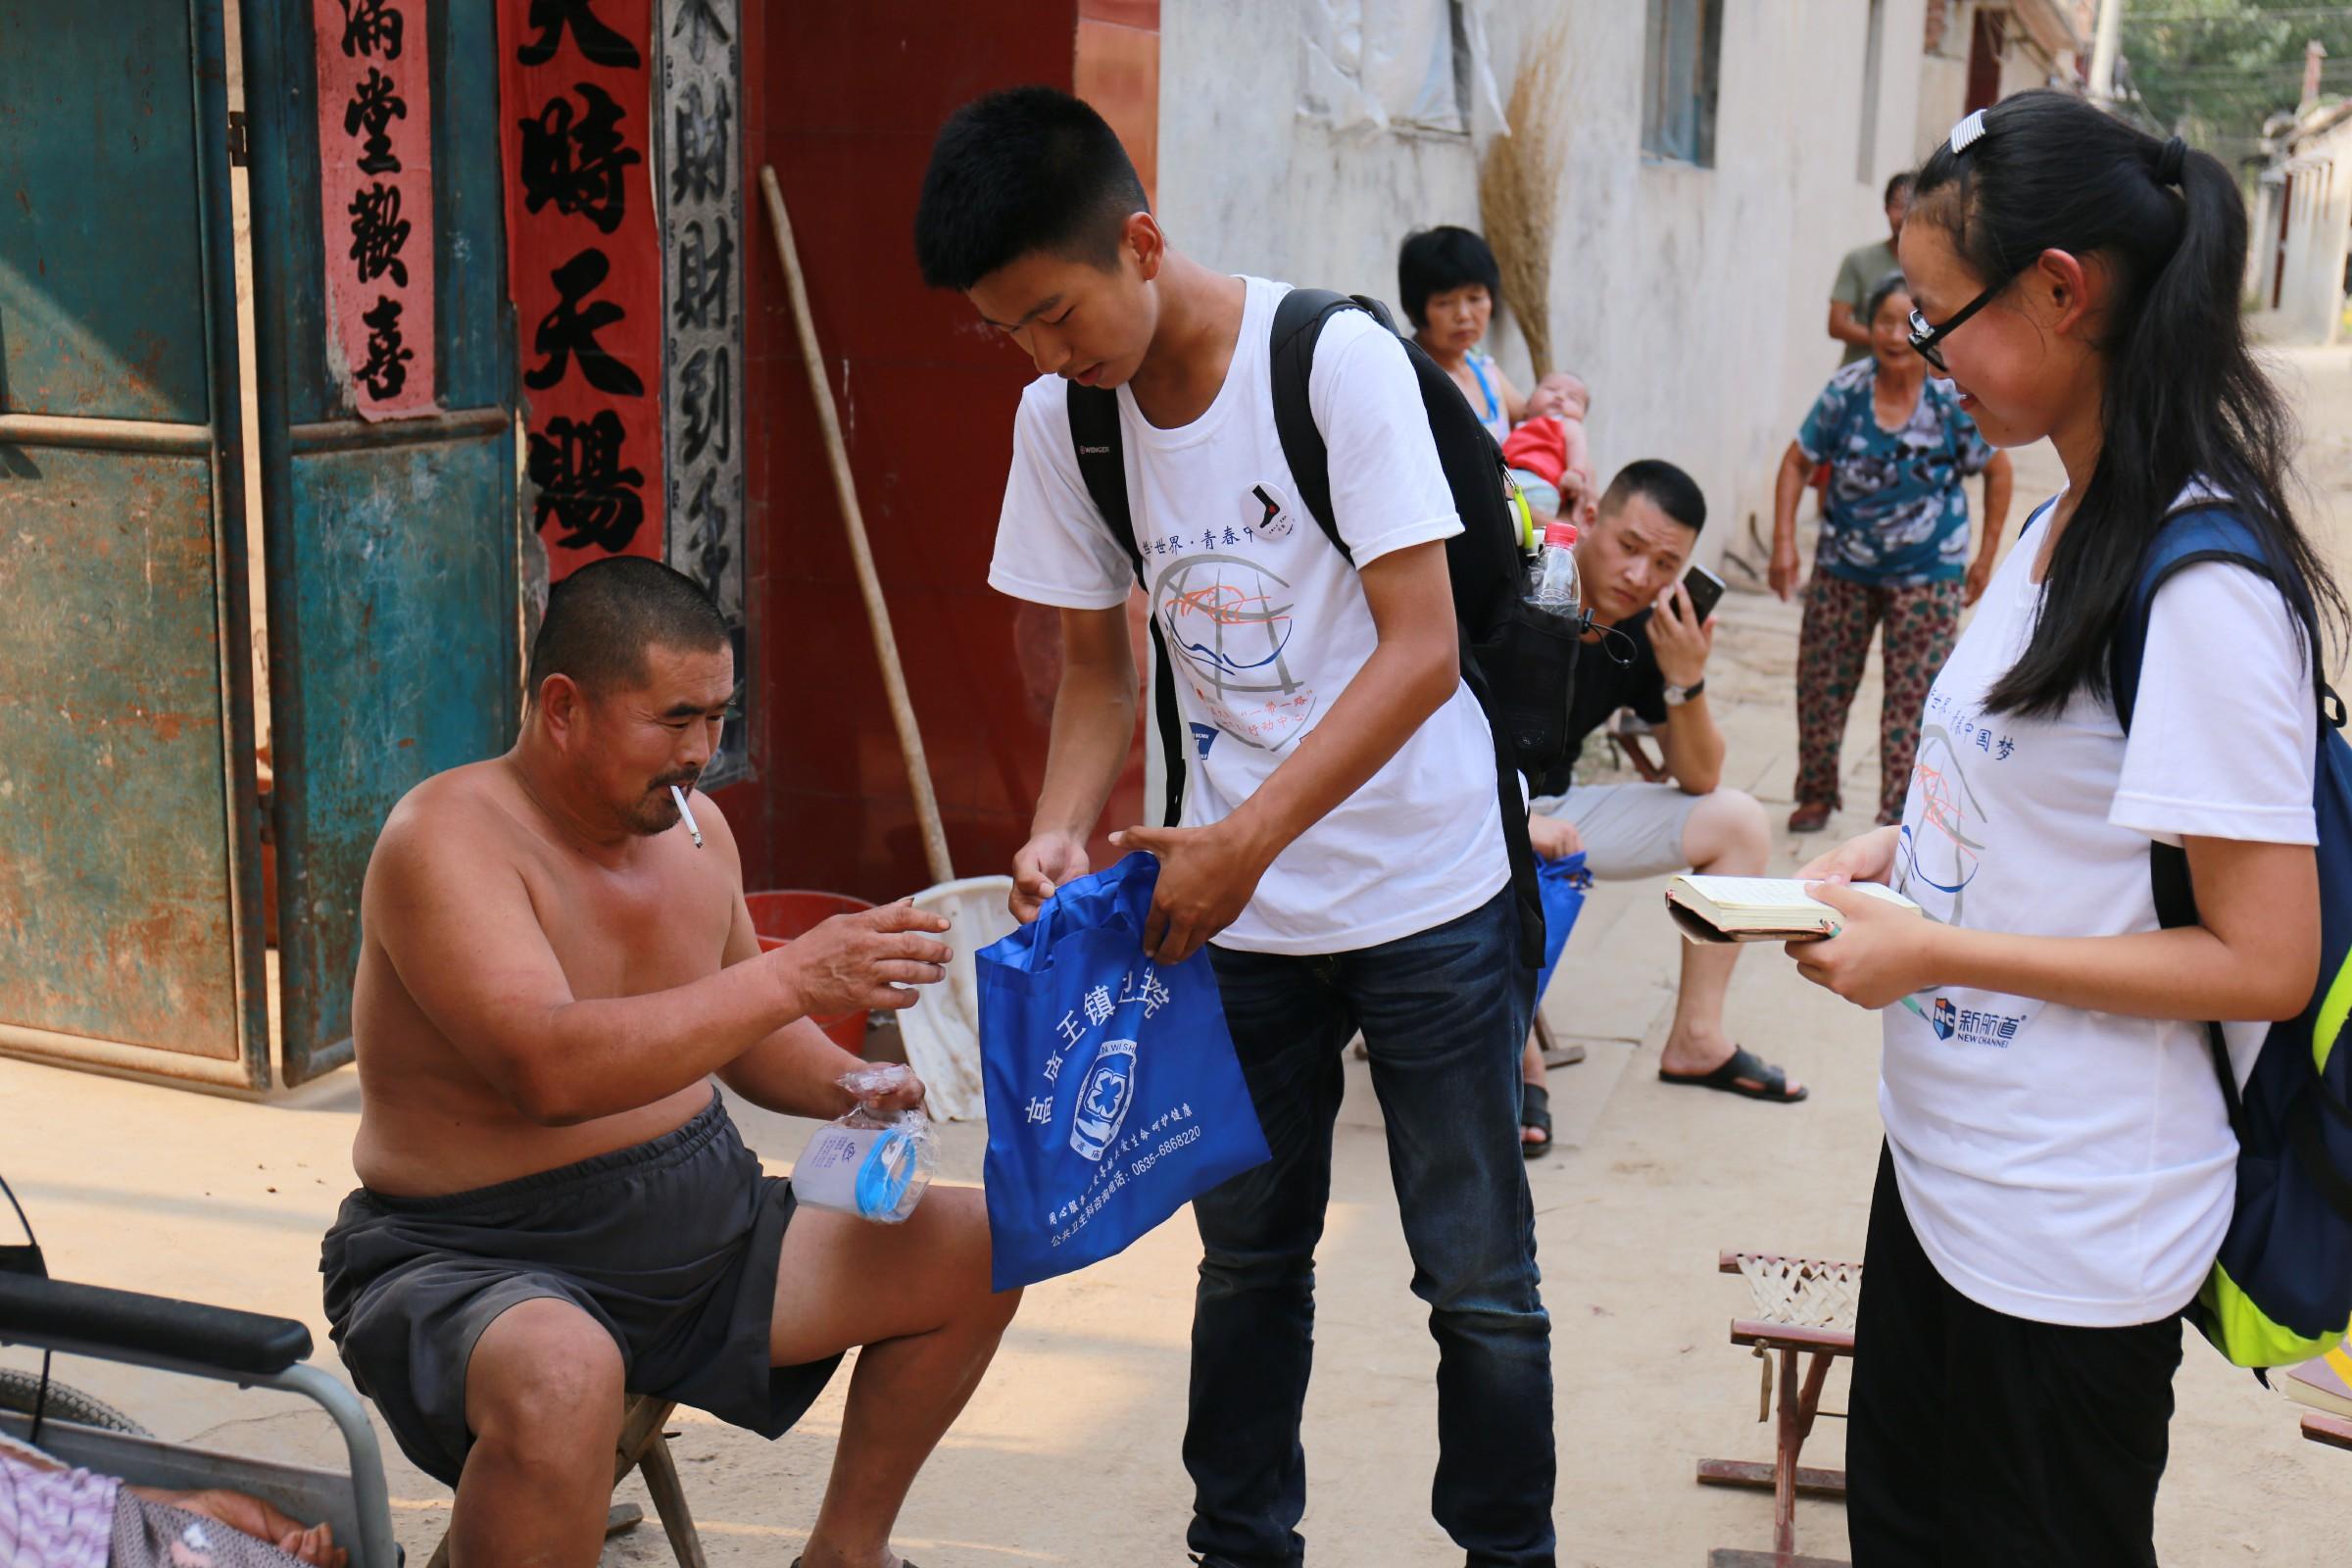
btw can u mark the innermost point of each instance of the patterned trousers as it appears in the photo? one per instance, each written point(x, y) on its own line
point(1834, 648)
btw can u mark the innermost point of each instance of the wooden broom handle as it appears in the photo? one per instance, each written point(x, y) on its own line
point(877, 611)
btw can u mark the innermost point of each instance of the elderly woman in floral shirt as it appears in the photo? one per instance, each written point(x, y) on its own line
point(1895, 549)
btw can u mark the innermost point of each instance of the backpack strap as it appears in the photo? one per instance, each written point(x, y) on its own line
point(1298, 320)
point(1103, 464)
point(2176, 907)
point(2186, 538)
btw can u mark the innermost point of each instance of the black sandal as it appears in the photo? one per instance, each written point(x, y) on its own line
point(1744, 1074)
point(1534, 1111)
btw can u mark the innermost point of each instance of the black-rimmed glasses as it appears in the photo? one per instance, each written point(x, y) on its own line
point(1923, 337)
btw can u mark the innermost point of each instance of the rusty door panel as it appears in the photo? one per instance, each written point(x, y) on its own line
point(397, 674)
point(129, 841)
point(100, 253)
point(115, 912)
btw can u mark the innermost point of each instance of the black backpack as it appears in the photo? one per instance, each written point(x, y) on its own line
point(2281, 1292)
point(1519, 663)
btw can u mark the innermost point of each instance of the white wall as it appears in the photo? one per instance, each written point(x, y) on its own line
point(1247, 185)
point(1694, 301)
point(2319, 230)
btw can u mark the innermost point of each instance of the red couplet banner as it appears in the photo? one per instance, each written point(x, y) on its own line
point(584, 266)
point(376, 147)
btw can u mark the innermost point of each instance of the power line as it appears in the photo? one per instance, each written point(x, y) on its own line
point(2205, 19)
point(2245, 74)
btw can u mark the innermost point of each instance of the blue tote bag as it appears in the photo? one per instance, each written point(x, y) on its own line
point(1562, 885)
point(1114, 1097)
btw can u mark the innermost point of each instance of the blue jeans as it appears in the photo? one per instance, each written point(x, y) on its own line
point(1444, 1014)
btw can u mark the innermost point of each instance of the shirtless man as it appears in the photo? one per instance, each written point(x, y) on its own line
point(554, 1205)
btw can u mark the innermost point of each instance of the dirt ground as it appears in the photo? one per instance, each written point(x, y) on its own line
point(1069, 1453)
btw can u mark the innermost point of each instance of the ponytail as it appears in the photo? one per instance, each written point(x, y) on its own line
point(2183, 398)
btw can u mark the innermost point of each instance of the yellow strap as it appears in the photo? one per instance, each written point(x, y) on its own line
point(1520, 510)
point(2334, 1009)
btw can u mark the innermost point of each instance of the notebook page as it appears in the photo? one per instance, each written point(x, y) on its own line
point(1775, 893)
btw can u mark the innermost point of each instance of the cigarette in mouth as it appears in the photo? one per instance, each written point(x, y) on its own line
point(687, 813)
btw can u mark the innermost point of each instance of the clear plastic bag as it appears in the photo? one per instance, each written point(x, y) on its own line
point(874, 1164)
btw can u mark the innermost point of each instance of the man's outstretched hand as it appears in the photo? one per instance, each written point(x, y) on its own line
point(862, 961)
point(1207, 876)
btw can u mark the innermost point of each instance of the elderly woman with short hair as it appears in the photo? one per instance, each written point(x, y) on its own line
point(1895, 549)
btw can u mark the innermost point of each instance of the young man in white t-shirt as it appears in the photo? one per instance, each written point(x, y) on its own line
point(1341, 848)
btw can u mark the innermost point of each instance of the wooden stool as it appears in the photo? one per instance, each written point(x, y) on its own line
point(644, 1446)
point(2333, 1429)
point(1803, 1306)
point(1628, 734)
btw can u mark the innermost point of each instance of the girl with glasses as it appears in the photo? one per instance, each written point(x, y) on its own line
point(2059, 1168)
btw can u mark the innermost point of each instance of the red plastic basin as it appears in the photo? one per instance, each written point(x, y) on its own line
point(780, 916)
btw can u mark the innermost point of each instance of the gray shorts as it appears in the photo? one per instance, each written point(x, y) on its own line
point(1631, 831)
point(672, 1245)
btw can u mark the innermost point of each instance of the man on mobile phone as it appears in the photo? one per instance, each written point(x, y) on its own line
point(1648, 652)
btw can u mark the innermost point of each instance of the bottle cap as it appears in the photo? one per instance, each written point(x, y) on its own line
point(1560, 533)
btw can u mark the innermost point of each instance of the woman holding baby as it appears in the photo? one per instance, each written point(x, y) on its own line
point(1451, 284)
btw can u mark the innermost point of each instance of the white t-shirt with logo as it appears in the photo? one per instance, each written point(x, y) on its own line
point(2057, 1164)
point(1266, 624)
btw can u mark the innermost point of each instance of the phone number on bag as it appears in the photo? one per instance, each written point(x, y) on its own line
point(1137, 1168)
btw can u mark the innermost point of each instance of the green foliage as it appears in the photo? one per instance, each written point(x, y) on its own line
point(2213, 70)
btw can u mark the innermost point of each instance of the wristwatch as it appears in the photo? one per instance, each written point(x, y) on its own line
point(1676, 695)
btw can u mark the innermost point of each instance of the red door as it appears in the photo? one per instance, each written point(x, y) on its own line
point(1985, 61)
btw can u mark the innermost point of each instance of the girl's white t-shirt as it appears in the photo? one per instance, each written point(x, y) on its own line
point(2057, 1164)
point(1266, 624)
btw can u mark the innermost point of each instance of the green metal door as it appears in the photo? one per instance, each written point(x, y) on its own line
point(130, 878)
point(392, 541)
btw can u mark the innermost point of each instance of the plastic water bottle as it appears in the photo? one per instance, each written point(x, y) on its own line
point(874, 1164)
point(866, 1166)
point(1551, 581)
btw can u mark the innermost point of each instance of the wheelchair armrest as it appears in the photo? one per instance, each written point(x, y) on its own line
point(90, 1320)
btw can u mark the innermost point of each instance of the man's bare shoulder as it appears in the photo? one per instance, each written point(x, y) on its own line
point(466, 822)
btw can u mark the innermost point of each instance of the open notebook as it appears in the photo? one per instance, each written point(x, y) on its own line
point(1757, 908)
point(2324, 1383)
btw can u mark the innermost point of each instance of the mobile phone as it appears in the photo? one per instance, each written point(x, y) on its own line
point(1704, 589)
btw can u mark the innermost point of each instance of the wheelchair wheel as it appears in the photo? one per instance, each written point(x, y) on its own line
point(19, 1392)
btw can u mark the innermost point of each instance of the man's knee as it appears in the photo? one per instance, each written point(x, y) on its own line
point(965, 1221)
point(543, 1388)
point(1729, 832)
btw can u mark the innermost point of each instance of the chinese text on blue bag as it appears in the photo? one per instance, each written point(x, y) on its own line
point(1114, 1097)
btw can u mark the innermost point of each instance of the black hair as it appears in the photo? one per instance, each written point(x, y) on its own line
point(1440, 260)
point(1892, 284)
point(1669, 489)
point(1899, 185)
point(602, 620)
point(2183, 398)
point(1028, 168)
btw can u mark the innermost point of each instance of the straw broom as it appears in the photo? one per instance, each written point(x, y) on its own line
point(1519, 186)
